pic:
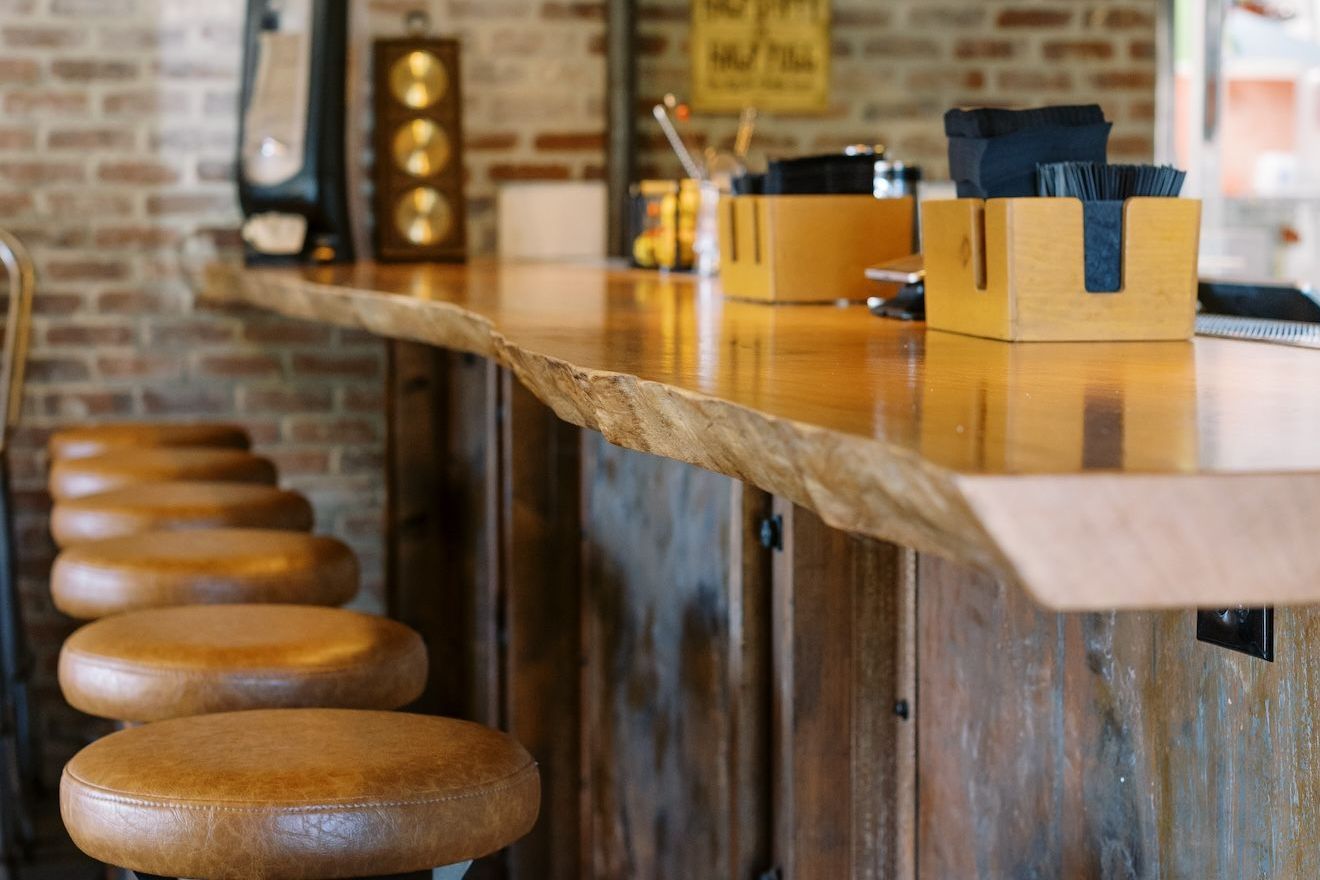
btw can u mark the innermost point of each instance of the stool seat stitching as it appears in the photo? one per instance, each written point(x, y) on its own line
point(97, 792)
point(153, 667)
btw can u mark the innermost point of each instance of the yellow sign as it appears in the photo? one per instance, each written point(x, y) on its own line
point(771, 54)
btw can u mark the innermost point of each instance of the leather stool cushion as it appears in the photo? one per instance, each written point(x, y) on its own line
point(97, 439)
point(204, 567)
point(177, 505)
point(75, 478)
point(199, 659)
point(298, 794)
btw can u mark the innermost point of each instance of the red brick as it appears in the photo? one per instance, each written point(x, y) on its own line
point(85, 204)
point(901, 46)
point(573, 11)
point(943, 16)
point(501, 140)
point(362, 461)
point(350, 336)
point(58, 236)
point(1127, 18)
point(1126, 80)
point(358, 399)
point(339, 366)
point(1033, 17)
point(44, 102)
point(237, 366)
point(286, 332)
point(984, 48)
point(103, 8)
point(137, 237)
point(190, 203)
point(91, 139)
point(218, 171)
point(572, 140)
point(529, 171)
point(18, 139)
point(19, 71)
point(300, 462)
point(1056, 50)
point(144, 39)
point(191, 332)
point(90, 335)
point(1141, 111)
point(191, 140)
point(56, 303)
point(1141, 50)
point(943, 78)
point(15, 203)
point(145, 103)
point(86, 270)
point(1132, 146)
point(92, 70)
point(43, 368)
point(863, 18)
point(187, 400)
point(32, 173)
point(68, 404)
point(342, 430)
point(44, 37)
point(140, 366)
point(135, 302)
point(138, 172)
point(285, 399)
point(1034, 80)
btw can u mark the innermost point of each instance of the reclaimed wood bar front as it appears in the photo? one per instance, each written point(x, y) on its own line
point(843, 644)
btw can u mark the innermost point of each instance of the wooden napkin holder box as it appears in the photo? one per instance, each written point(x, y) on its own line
point(809, 248)
point(1014, 269)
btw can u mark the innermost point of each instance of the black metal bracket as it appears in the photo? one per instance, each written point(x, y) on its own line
point(772, 532)
point(1247, 630)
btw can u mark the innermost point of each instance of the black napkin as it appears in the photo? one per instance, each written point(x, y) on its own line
point(1103, 190)
point(993, 153)
point(833, 174)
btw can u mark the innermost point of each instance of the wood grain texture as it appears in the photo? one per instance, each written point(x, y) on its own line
point(441, 535)
point(809, 248)
point(1108, 745)
point(657, 725)
point(844, 759)
point(751, 670)
point(927, 440)
point(541, 620)
point(1013, 269)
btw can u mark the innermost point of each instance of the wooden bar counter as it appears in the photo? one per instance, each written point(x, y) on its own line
point(846, 643)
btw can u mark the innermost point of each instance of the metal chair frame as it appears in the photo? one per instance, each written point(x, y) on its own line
point(20, 761)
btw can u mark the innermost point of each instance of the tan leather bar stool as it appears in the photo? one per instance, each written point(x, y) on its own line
point(298, 794)
point(84, 442)
point(177, 506)
point(199, 659)
point(204, 567)
point(78, 477)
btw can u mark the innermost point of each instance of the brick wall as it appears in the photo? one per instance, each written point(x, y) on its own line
point(117, 141)
point(117, 136)
point(899, 64)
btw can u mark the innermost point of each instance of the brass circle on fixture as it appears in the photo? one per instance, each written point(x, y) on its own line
point(418, 79)
point(421, 148)
point(423, 216)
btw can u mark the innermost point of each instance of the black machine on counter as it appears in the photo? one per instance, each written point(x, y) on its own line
point(292, 174)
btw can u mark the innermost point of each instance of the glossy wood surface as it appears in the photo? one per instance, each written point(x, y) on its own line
point(1095, 475)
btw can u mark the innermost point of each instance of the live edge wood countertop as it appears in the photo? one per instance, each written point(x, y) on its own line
point(1093, 475)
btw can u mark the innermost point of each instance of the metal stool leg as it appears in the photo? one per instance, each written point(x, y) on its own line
point(21, 774)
